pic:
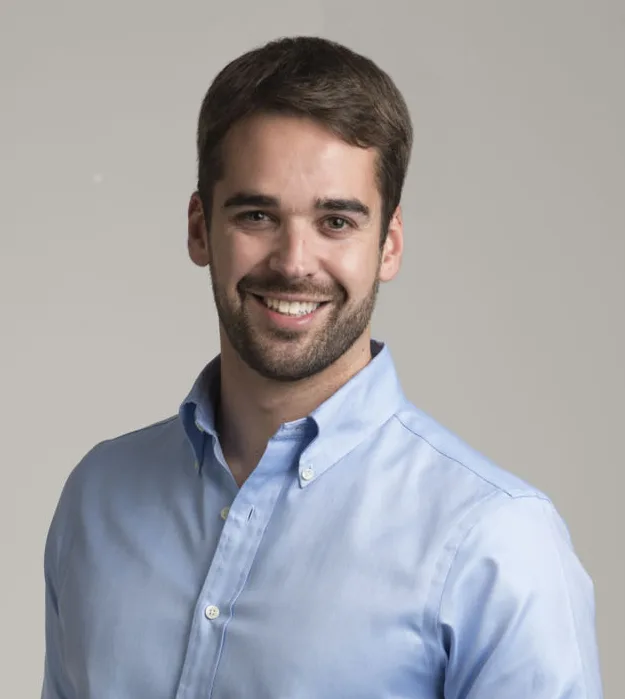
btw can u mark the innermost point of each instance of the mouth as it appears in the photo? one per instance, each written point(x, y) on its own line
point(292, 309)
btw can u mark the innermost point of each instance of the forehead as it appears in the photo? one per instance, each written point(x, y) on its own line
point(296, 160)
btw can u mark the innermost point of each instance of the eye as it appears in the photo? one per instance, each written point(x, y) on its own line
point(338, 223)
point(252, 216)
point(253, 220)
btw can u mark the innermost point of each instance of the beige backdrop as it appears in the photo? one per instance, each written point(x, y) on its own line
point(507, 321)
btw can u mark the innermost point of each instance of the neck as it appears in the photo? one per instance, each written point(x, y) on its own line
point(252, 407)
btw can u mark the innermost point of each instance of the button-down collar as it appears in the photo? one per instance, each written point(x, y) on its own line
point(339, 424)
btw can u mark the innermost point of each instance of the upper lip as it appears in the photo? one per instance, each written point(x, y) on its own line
point(289, 298)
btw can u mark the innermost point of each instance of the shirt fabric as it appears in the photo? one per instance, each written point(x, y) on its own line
point(371, 554)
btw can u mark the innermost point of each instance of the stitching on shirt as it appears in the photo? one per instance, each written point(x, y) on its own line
point(450, 555)
point(551, 526)
point(484, 504)
point(493, 509)
point(66, 512)
point(499, 488)
point(66, 533)
point(139, 430)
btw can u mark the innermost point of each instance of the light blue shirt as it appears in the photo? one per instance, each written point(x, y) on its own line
point(370, 555)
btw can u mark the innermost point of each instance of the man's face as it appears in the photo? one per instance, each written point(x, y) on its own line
point(294, 245)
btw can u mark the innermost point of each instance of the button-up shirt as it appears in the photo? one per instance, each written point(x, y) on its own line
point(371, 554)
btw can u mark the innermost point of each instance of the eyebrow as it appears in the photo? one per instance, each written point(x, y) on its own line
point(250, 199)
point(354, 206)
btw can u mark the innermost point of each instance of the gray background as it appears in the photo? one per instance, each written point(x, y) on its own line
point(507, 319)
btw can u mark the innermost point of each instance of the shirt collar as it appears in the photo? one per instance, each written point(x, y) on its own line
point(360, 406)
point(197, 411)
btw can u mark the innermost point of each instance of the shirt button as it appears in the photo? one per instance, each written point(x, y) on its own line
point(224, 513)
point(211, 612)
point(308, 473)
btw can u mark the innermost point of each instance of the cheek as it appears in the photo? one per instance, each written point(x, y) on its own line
point(355, 270)
point(232, 261)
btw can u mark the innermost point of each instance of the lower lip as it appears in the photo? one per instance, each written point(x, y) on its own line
point(289, 322)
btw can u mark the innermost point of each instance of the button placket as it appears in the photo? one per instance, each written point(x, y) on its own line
point(238, 542)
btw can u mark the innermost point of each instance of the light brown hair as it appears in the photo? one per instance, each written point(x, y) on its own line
point(319, 79)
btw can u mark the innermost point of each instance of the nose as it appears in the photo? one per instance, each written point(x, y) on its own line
point(294, 256)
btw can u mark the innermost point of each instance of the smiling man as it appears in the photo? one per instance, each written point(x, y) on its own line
point(299, 529)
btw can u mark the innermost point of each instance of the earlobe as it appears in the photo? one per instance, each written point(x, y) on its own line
point(197, 241)
point(393, 248)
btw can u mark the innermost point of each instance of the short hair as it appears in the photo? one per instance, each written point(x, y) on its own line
point(315, 78)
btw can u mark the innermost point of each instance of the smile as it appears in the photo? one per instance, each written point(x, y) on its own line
point(290, 308)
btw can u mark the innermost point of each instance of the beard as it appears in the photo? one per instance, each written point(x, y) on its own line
point(289, 355)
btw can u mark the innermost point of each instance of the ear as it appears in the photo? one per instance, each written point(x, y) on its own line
point(393, 248)
point(197, 242)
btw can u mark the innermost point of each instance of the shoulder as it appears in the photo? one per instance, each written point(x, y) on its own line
point(478, 506)
point(456, 462)
point(506, 578)
point(112, 466)
point(139, 449)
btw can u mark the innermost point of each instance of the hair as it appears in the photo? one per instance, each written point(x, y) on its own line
point(315, 78)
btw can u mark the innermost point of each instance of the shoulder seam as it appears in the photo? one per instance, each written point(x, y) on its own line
point(531, 492)
point(580, 659)
point(139, 430)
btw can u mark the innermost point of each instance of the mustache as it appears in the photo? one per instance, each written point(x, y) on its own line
point(278, 284)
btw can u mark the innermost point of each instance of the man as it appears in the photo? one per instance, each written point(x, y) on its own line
point(299, 530)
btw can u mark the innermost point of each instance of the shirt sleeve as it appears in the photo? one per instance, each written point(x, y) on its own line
point(55, 682)
point(517, 616)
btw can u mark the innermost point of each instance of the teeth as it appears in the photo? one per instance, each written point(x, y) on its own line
point(290, 308)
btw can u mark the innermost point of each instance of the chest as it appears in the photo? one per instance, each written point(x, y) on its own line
point(285, 594)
